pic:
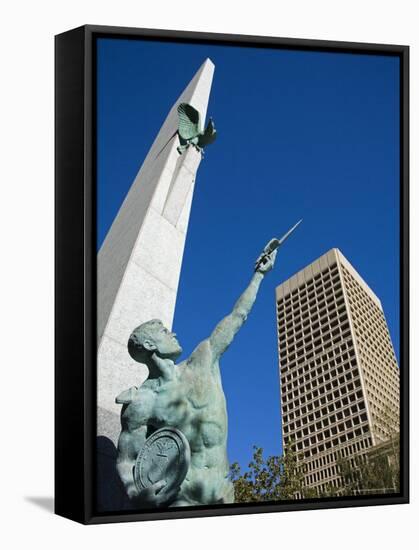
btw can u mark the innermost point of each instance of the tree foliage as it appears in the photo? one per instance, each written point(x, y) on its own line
point(282, 477)
point(271, 479)
point(367, 475)
point(378, 471)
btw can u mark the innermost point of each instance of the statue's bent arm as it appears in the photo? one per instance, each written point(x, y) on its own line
point(226, 329)
point(129, 444)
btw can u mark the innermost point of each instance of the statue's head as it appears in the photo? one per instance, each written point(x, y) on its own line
point(153, 337)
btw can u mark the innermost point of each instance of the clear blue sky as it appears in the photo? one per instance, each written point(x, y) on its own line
point(300, 135)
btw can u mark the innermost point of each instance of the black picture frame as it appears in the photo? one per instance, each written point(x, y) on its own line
point(75, 274)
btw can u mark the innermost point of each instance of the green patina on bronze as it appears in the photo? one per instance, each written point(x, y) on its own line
point(187, 397)
point(190, 132)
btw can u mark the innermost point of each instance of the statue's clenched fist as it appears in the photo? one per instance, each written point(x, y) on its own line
point(265, 262)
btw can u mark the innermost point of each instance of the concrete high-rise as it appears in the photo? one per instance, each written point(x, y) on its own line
point(339, 372)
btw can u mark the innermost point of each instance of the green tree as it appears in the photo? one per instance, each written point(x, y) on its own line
point(272, 479)
point(282, 477)
point(379, 469)
point(373, 472)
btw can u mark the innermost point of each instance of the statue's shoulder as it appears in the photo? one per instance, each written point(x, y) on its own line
point(138, 393)
point(202, 354)
point(127, 396)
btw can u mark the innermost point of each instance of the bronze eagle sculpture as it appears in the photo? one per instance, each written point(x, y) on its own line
point(189, 130)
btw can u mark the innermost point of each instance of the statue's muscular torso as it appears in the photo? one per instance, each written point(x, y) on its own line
point(190, 397)
point(192, 401)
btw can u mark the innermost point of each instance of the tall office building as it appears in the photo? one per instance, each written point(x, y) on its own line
point(339, 373)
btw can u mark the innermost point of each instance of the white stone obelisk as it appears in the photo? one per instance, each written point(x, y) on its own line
point(138, 265)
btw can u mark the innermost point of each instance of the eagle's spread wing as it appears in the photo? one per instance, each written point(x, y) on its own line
point(208, 136)
point(188, 121)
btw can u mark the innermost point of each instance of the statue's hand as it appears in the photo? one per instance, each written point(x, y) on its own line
point(155, 496)
point(265, 262)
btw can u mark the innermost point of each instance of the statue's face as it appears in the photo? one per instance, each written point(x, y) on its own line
point(166, 343)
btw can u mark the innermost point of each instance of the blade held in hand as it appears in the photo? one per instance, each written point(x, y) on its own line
point(273, 244)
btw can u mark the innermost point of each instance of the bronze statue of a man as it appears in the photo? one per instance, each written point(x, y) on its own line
point(189, 397)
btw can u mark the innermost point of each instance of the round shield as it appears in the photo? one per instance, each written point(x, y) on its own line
point(165, 455)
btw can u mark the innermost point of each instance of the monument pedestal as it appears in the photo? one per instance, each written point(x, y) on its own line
point(138, 269)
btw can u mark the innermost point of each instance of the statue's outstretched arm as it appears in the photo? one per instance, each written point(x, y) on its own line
point(226, 329)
